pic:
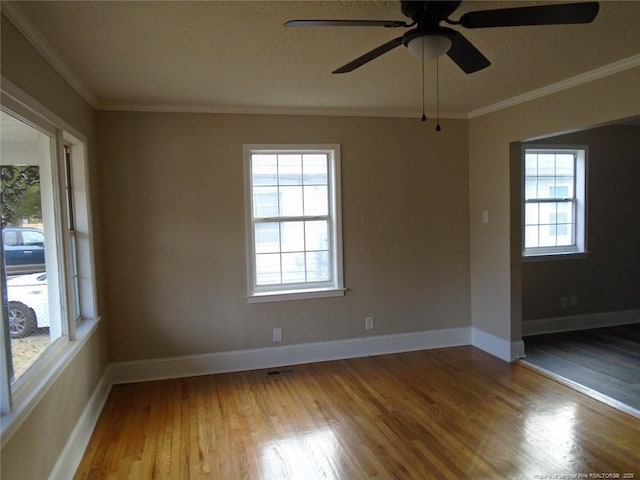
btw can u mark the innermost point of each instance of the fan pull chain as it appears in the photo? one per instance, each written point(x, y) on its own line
point(424, 117)
point(438, 128)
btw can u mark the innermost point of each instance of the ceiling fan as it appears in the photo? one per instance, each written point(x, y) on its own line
point(429, 40)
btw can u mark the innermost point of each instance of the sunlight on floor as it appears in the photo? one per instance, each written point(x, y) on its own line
point(550, 434)
point(310, 455)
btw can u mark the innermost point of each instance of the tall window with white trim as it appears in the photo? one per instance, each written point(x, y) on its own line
point(46, 261)
point(554, 201)
point(293, 221)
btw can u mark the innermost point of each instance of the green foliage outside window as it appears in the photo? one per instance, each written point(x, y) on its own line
point(20, 194)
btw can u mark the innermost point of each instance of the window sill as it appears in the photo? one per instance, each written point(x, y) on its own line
point(41, 376)
point(286, 295)
point(555, 257)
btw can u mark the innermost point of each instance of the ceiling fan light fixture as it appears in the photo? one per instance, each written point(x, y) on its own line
point(432, 46)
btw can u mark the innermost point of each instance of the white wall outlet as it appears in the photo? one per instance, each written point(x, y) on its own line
point(564, 302)
point(485, 216)
point(277, 334)
point(368, 322)
point(573, 301)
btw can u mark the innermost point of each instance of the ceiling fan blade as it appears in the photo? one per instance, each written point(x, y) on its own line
point(346, 23)
point(465, 55)
point(367, 57)
point(560, 14)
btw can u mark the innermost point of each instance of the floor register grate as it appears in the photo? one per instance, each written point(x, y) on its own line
point(280, 372)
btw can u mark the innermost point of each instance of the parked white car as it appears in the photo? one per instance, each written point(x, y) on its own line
point(28, 304)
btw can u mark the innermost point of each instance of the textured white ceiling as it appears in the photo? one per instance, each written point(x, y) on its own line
point(237, 55)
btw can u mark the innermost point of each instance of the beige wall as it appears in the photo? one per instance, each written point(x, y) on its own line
point(607, 280)
point(174, 231)
point(597, 102)
point(34, 448)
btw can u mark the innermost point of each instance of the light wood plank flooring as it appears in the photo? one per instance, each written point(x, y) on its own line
point(453, 413)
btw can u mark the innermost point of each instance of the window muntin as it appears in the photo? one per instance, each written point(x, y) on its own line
point(293, 219)
point(554, 201)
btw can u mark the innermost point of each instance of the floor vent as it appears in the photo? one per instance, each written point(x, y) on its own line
point(279, 372)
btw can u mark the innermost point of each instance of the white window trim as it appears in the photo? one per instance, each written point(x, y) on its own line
point(18, 400)
point(278, 293)
point(579, 250)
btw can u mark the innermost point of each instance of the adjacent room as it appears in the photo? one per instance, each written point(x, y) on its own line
point(320, 239)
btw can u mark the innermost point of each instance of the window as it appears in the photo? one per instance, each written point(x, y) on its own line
point(47, 276)
point(554, 201)
point(293, 221)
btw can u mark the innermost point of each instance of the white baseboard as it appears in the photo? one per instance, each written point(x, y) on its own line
point(252, 359)
point(580, 322)
point(68, 461)
point(497, 346)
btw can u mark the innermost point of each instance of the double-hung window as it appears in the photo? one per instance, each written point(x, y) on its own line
point(554, 201)
point(46, 262)
point(293, 221)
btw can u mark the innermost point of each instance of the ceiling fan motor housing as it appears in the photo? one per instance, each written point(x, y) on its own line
point(428, 13)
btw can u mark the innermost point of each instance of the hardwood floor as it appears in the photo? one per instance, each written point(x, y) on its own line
point(450, 413)
point(605, 360)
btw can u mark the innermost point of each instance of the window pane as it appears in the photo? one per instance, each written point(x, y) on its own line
point(291, 201)
point(565, 164)
point(317, 235)
point(264, 169)
point(545, 187)
point(315, 169)
point(564, 234)
point(564, 187)
point(265, 202)
point(10, 238)
point(290, 169)
point(547, 213)
point(293, 270)
point(267, 237)
point(531, 188)
point(267, 269)
point(32, 237)
point(292, 234)
point(565, 212)
point(318, 266)
point(546, 164)
point(548, 236)
point(530, 164)
point(316, 200)
point(531, 236)
point(559, 191)
point(531, 214)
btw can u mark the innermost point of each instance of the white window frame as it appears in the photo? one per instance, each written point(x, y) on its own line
point(19, 397)
point(578, 249)
point(333, 287)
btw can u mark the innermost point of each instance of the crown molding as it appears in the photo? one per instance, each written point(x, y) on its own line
point(605, 71)
point(25, 26)
point(20, 20)
point(299, 111)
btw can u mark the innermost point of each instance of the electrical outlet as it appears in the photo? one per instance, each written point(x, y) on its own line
point(573, 301)
point(368, 322)
point(564, 302)
point(277, 334)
